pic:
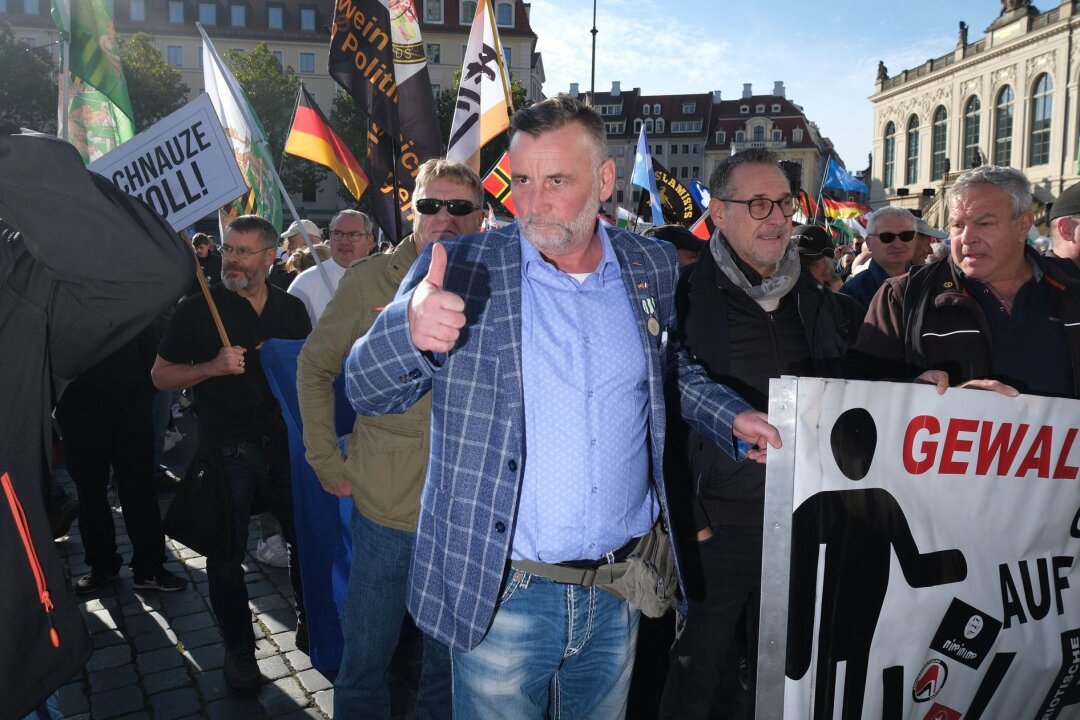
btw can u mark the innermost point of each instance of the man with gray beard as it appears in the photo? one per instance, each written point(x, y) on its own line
point(239, 416)
point(544, 347)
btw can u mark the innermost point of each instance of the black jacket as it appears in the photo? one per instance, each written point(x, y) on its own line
point(716, 325)
point(64, 305)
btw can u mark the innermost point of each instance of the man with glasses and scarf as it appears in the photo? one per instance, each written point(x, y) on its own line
point(239, 415)
point(889, 235)
point(748, 312)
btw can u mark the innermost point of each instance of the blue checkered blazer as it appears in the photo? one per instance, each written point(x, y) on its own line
point(467, 508)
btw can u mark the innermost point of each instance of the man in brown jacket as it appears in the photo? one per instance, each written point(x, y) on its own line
point(386, 461)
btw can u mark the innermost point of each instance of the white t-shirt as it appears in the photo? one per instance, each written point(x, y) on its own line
point(309, 287)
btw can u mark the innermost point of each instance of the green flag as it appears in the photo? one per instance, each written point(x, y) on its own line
point(95, 124)
point(93, 53)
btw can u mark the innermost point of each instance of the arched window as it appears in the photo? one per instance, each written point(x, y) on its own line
point(1003, 126)
point(759, 133)
point(649, 125)
point(504, 15)
point(972, 155)
point(468, 12)
point(659, 125)
point(1040, 120)
point(911, 172)
point(637, 126)
point(889, 161)
point(937, 143)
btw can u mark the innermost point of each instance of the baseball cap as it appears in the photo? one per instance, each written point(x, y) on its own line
point(813, 241)
point(305, 226)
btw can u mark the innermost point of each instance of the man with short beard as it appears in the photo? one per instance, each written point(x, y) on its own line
point(544, 346)
point(239, 415)
point(748, 313)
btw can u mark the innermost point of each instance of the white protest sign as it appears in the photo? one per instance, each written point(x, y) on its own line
point(182, 166)
point(934, 541)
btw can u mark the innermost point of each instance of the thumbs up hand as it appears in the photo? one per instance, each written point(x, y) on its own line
point(436, 316)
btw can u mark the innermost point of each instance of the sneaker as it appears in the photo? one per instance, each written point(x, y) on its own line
point(241, 671)
point(177, 411)
point(172, 437)
point(161, 580)
point(303, 644)
point(273, 552)
point(94, 580)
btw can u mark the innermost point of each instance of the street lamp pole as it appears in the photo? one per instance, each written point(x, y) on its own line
point(592, 83)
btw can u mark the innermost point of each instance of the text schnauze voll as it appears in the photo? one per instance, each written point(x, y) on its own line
point(167, 177)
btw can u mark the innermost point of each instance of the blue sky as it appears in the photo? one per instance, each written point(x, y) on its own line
point(825, 52)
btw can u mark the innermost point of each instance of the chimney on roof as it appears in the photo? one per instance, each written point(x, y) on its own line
point(778, 89)
point(616, 88)
point(746, 91)
point(573, 90)
point(716, 96)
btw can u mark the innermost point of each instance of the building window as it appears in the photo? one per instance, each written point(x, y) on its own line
point(433, 11)
point(659, 125)
point(30, 7)
point(436, 90)
point(937, 143)
point(468, 12)
point(759, 133)
point(695, 148)
point(776, 108)
point(238, 15)
point(175, 55)
point(656, 109)
point(796, 135)
point(777, 136)
point(911, 168)
point(972, 155)
point(176, 12)
point(1040, 120)
point(740, 136)
point(137, 11)
point(686, 126)
point(504, 15)
point(308, 191)
point(659, 149)
point(637, 126)
point(208, 13)
point(760, 109)
point(721, 137)
point(889, 166)
point(199, 55)
point(649, 125)
point(646, 109)
point(689, 108)
point(275, 17)
point(1003, 126)
point(434, 53)
point(507, 56)
point(280, 58)
point(307, 19)
point(744, 109)
point(685, 149)
point(307, 62)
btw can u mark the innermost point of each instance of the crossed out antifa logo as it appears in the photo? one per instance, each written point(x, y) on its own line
point(930, 681)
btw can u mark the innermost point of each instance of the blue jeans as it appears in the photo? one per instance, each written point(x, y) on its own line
point(374, 609)
point(553, 650)
point(246, 469)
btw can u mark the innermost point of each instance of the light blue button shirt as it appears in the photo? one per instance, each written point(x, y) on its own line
point(585, 486)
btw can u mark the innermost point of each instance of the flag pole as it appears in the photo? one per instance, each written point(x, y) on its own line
point(65, 86)
point(243, 105)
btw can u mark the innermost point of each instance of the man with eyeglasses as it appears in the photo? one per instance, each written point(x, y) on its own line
point(890, 233)
point(351, 238)
point(239, 416)
point(384, 467)
point(749, 312)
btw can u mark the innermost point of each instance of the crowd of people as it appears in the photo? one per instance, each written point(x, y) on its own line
point(546, 408)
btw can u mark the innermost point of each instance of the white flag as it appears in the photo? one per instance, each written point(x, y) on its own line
point(483, 93)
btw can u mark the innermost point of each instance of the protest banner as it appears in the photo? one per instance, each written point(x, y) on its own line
point(182, 166)
point(920, 556)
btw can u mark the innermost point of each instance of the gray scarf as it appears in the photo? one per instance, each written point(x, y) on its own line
point(772, 288)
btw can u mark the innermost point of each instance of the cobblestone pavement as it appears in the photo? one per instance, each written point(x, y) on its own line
point(159, 655)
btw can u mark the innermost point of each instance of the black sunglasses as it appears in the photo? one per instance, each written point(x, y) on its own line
point(459, 208)
point(888, 237)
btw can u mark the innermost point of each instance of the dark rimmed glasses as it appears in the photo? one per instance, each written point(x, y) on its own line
point(761, 208)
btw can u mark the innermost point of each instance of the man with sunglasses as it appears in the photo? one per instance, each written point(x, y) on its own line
point(749, 312)
point(351, 237)
point(384, 467)
point(239, 416)
point(890, 233)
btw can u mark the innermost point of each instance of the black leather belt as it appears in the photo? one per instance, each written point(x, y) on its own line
point(615, 556)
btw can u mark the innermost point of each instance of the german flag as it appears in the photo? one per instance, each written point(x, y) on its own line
point(497, 182)
point(312, 138)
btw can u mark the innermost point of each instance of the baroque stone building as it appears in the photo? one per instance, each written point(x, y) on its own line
point(1007, 98)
